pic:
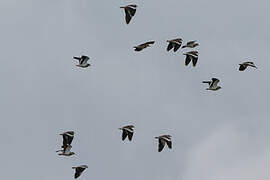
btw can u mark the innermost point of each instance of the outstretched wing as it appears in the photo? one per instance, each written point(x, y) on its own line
point(84, 59)
point(169, 143)
point(124, 134)
point(67, 138)
point(214, 83)
point(161, 144)
point(128, 15)
point(176, 47)
point(131, 10)
point(242, 67)
point(194, 60)
point(170, 46)
point(188, 59)
point(130, 135)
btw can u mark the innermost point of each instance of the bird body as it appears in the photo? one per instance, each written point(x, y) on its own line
point(174, 43)
point(127, 132)
point(130, 11)
point(244, 65)
point(143, 46)
point(162, 140)
point(66, 151)
point(213, 84)
point(191, 44)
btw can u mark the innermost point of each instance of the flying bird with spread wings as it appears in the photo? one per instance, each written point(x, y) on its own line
point(191, 56)
point(79, 170)
point(162, 140)
point(82, 61)
point(213, 84)
point(130, 11)
point(143, 46)
point(128, 131)
point(174, 43)
point(66, 146)
point(244, 65)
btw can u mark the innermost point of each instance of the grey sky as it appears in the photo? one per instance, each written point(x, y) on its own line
point(216, 135)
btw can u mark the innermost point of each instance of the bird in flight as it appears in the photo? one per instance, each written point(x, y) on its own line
point(175, 44)
point(162, 140)
point(127, 132)
point(66, 146)
point(213, 84)
point(82, 61)
point(130, 11)
point(143, 46)
point(67, 138)
point(191, 56)
point(66, 151)
point(244, 65)
point(79, 170)
point(191, 44)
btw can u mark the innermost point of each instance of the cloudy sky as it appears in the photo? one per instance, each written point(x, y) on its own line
point(221, 135)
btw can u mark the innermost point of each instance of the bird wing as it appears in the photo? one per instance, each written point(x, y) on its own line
point(161, 144)
point(214, 83)
point(78, 171)
point(194, 61)
point(188, 59)
point(124, 134)
point(176, 47)
point(67, 138)
point(130, 135)
point(251, 64)
point(191, 43)
point(169, 143)
point(170, 46)
point(242, 67)
point(84, 59)
point(128, 15)
point(131, 10)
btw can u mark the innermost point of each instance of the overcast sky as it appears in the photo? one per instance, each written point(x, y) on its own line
point(222, 135)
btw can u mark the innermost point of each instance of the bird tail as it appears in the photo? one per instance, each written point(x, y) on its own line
point(184, 46)
point(73, 167)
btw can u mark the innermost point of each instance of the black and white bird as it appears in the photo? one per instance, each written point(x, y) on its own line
point(128, 131)
point(191, 56)
point(244, 65)
point(67, 138)
point(191, 44)
point(79, 170)
point(175, 44)
point(82, 61)
point(130, 11)
point(213, 84)
point(66, 151)
point(144, 45)
point(162, 140)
